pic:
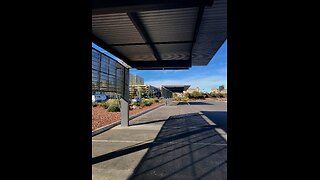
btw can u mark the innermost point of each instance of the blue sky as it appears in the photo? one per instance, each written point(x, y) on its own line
point(204, 77)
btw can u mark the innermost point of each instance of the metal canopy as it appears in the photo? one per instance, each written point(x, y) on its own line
point(158, 34)
point(176, 88)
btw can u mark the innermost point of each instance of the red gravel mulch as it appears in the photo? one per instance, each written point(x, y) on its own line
point(101, 117)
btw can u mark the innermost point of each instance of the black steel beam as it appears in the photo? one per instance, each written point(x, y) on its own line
point(161, 64)
point(134, 17)
point(198, 22)
point(124, 6)
point(196, 28)
point(108, 48)
point(168, 42)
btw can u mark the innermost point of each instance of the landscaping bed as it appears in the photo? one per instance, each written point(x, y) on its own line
point(101, 117)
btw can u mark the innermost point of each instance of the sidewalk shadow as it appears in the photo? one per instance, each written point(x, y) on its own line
point(200, 103)
point(182, 103)
point(218, 117)
point(186, 147)
point(147, 122)
point(141, 122)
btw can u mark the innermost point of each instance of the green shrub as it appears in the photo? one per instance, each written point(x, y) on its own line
point(113, 102)
point(196, 95)
point(181, 99)
point(103, 104)
point(147, 102)
point(154, 100)
point(113, 108)
point(136, 103)
point(220, 95)
point(161, 101)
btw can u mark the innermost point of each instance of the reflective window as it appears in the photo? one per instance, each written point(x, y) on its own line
point(108, 75)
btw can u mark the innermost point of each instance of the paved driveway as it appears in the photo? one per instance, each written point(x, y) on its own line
point(171, 142)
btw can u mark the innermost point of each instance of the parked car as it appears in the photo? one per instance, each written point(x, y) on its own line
point(99, 98)
point(136, 100)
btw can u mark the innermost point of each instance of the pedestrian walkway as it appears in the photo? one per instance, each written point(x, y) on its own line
point(171, 142)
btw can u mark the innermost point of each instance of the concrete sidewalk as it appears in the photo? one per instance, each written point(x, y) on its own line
point(170, 142)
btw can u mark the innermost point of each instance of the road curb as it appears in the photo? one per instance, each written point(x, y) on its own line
point(109, 126)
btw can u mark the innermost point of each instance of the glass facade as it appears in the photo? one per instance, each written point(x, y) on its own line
point(109, 76)
point(136, 80)
point(166, 93)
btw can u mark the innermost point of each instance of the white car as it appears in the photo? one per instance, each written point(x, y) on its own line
point(136, 100)
point(99, 98)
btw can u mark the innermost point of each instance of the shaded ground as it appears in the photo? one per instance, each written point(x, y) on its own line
point(200, 103)
point(187, 147)
point(218, 117)
point(170, 142)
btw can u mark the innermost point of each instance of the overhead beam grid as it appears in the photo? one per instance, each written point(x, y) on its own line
point(160, 34)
